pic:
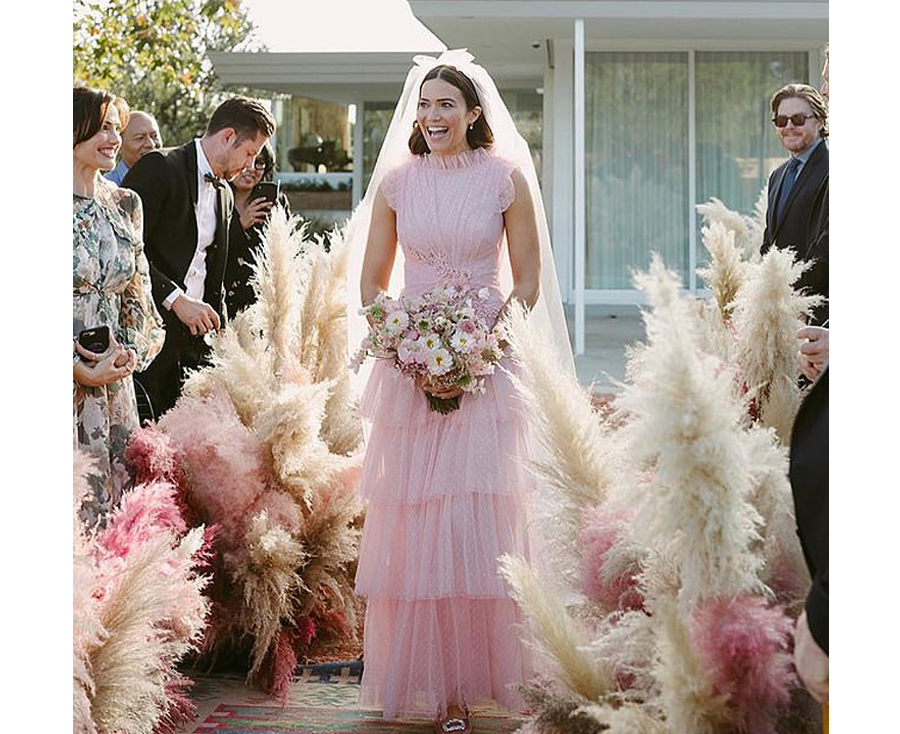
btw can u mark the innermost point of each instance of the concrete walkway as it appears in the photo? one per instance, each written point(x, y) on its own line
point(608, 330)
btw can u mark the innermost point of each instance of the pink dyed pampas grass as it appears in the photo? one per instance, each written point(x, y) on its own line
point(605, 578)
point(138, 610)
point(264, 444)
point(743, 643)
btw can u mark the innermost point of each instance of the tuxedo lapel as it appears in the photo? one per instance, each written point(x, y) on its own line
point(190, 158)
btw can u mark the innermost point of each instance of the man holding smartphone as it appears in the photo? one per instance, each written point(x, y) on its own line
point(187, 212)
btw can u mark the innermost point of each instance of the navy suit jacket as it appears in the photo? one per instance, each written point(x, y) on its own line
point(798, 225)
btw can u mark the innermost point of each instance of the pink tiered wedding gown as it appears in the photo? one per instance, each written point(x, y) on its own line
point(446, 493)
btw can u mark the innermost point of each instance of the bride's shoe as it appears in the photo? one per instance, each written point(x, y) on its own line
point(453, 723)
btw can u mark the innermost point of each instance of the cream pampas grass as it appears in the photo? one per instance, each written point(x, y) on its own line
point(131, 668)
point(628, 719)
point(290, 429)
point(785, 570)
point(554, 632)
point(767, 316)
point(727, 269)
point(240, 367)
point(688, 555)
point(716, 214)
point(579, 457)
point(323, 344)
point(266, 569)
point(138, 610)
point(685, 425)
point(268, 441)
point(758, 224)
point(276, 278)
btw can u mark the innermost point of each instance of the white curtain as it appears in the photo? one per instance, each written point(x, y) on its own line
point(636, 159)
point(636, 149)
point(737, 147)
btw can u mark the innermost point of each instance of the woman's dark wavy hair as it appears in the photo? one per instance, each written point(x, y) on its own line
point(480, 135)
point(89, 108)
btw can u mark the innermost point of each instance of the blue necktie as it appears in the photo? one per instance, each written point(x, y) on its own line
point(790, 175)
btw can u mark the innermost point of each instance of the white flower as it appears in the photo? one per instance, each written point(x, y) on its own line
point(439, 362)
point(484, 293)
point(407, 350)
point(396, 321)
point(462, 342)
point(429, 342)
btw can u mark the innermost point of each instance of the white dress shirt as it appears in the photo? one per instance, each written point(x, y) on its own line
point(205, 211)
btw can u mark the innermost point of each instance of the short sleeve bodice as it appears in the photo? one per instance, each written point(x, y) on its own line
point(449, 213)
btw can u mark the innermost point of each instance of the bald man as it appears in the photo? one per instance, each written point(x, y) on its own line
point(139, 137)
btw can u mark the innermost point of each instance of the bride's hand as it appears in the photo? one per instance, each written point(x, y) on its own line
point(441, 393)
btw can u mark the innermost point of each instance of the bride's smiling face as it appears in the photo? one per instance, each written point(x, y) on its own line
point(443, 117)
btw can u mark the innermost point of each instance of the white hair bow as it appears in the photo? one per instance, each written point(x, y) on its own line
point(457, 57)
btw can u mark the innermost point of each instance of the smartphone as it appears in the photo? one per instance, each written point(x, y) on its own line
point(95, 340)
point(269, 190)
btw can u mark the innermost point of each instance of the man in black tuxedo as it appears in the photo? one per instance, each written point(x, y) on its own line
point(187, 212)
point(801, 122)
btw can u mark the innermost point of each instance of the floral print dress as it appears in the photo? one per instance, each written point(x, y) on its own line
point(111, 287)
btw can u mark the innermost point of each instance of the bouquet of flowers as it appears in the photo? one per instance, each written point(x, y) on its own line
point(441, 339)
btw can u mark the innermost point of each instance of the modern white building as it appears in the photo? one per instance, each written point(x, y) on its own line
point(636, 110)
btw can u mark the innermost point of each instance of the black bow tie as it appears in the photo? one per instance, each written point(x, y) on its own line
point(217, 182)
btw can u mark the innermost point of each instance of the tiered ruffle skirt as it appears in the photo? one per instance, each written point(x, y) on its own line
point(447, 495)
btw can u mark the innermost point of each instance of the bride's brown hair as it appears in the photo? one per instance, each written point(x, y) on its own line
point(479, 135)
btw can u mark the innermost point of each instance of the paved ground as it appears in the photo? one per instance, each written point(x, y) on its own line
point(608, 330)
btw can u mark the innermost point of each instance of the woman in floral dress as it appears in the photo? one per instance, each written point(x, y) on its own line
point(111, 287)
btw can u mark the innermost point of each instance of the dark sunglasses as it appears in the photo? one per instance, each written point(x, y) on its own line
point(259, 164)
point(799, 119)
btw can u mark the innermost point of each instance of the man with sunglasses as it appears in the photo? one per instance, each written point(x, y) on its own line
point(800, 116)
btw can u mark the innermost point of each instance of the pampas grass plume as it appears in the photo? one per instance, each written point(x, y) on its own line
point(267, 571)
point(554, 632)
point(579, 459)
point(685, 423)
point(132, 666)
point(276, 277)
point(223, 461)
point(767, 315)
point(687, 695)
point(743, 643)
point(143, 513)
point(727, 268)
point(609, 578)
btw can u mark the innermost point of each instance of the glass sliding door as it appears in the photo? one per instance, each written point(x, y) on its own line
point(737, 147)
point(636, 160)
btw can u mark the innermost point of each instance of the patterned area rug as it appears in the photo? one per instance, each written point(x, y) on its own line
point(274, 719)
point(323, 699)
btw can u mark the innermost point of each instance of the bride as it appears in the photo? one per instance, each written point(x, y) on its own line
point(454, 200)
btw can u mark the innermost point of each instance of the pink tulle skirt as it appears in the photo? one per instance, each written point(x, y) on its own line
point(447, 495)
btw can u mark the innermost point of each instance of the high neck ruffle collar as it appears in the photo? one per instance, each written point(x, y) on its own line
point(466, 159)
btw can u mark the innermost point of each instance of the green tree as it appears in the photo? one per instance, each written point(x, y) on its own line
point(154, 54)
